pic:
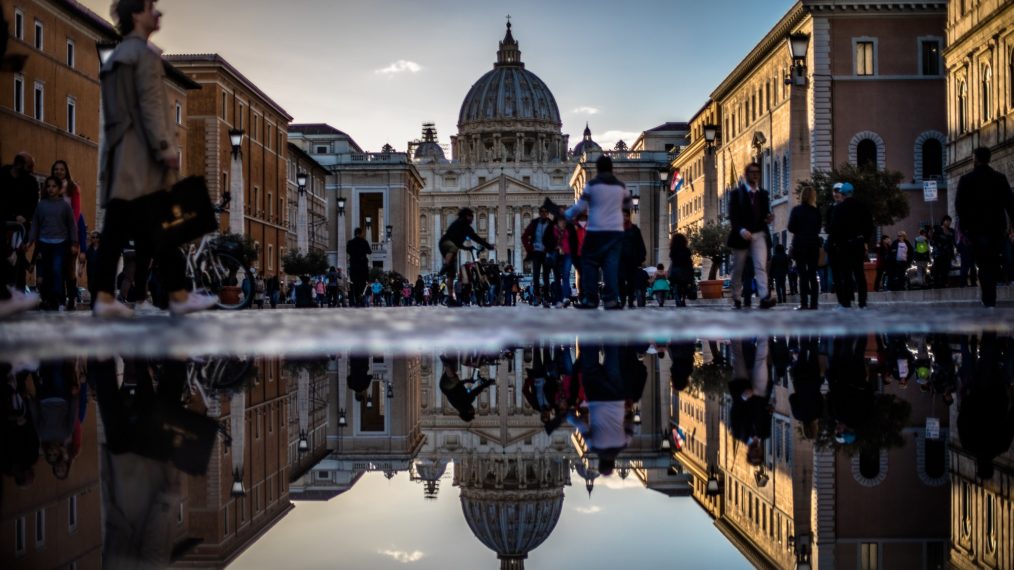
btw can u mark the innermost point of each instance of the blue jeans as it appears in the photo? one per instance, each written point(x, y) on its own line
point(51, 271)
point(600, 259)
point(564, 264)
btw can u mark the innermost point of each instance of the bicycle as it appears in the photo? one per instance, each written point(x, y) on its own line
point(216, 266)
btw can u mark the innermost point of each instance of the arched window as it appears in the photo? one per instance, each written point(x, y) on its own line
point(869, 460)
point(987, 93)
point(962, 107)
point(932, 158)
point(866, 154)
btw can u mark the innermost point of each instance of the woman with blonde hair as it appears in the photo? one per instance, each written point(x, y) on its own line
point(805, 224)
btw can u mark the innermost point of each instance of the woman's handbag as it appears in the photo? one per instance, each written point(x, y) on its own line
point(173, 217)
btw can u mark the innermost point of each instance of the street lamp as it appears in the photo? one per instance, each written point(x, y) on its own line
point(369, 228)
point(635, 202)
point(390, 390)
point(710, 134)
point(235, 139)
point(663, 175)
point(301, 181)
point(341, 206)
point(798, 43)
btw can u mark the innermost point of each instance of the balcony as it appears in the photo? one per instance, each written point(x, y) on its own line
point(355, 158)
point(629, 156)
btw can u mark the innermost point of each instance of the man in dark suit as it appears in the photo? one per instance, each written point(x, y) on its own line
point(359, 251)
point(749, 216)
point(984, 204)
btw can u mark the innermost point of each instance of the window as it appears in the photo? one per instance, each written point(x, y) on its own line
point(239, 118)
point(865, 61)
point(482, 180)
point(71, 115)
point(225, 106)
point(179, 113)
point(19, 24)
point(866, 154)
point(869, 558)
point(40, 528)
point(929, 57)
point(987, 93)
point(962, 107)
point(526, 179)
point(70, 53)
point(20, 535)
point(179, 515)
point(320, 149)
point(869, 462)
point(271, 265)
point(38, 35)
point(966, 509)
point(40, 101)
point(19, 93)
point(932, 159)
point(72, 513)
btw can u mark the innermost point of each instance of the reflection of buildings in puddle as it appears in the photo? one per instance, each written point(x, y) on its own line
point(823, 505)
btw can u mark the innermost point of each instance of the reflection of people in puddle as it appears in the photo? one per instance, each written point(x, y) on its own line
point(604, 427)
point(19, 442)
point(985, 412)
point(359, 378)
point(461, 393)
point(56, 406)
point(682, 365)
point(851, 398)
point(549, 384)
point(750, 387)
point(806, 401)
point(149, 438)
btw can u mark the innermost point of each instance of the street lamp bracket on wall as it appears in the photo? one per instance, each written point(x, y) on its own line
point(798, 44)
point(236, 140)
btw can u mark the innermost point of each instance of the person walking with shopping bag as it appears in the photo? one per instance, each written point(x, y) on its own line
point(138, 159)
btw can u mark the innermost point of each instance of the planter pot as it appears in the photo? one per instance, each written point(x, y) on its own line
point(710, 288)
point(870, 269)
point(230, 294)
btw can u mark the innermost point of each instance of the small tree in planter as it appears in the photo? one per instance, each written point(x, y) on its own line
point(709, 242)
point(880, 190)
point(313, 263)
point(243, 247)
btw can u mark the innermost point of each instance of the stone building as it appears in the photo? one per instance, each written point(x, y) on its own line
point(317, 223)
point(50, 109)
point(256, 177)
point(378, 192)
point(693, 197)
point(842, 104)
point(508, 155)
point(980, 86)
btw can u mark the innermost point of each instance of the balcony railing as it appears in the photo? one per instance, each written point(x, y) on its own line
point(373, 158)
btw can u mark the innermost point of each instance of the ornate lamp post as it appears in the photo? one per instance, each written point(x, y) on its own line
point(237, 212)
point(799, 43)
point(340, 240)
point(302, 222)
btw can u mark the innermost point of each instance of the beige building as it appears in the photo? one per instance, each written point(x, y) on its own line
point(695, 202)
point(379, 192)
point(841, 106)
point(980, 86)
point(318, 224)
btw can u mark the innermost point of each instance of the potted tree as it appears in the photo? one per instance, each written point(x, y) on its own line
point(244, 249)
point(880, 190)
point(709, 242)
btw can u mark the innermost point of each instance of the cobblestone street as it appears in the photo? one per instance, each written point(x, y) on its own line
point(405, 330)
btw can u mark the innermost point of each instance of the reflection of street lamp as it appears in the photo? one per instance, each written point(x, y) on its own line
point(304, 443)
point(389, 230)
point(390, 387)
point(712, 482)
point(237, 484)
point(369, 401)
point(342, 421)
point(665, 445)
point(637, 416)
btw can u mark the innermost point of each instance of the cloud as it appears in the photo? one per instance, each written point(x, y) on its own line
point(608, 139)
point(586, 110)
point(402, 556)
point(588, 510)
point(400, 66)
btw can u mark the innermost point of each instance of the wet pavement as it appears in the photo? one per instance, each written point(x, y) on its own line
point(522, 438)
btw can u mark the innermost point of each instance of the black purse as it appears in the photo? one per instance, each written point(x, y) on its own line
point(173, 217)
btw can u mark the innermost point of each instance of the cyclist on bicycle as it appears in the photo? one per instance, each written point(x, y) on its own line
point(454, 240)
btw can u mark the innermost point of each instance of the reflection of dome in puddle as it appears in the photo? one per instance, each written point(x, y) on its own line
point(512, 504)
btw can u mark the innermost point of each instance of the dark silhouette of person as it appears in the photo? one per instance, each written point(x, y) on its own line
point(806, 401)
point(19, 442)
point(682, 364)
point(359, 378)
point(750, 388)
point(458, 392)
point(985, 412)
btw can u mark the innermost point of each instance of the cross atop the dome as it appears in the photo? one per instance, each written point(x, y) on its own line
point(509, 54)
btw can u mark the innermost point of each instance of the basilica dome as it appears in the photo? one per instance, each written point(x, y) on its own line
point(509, 94)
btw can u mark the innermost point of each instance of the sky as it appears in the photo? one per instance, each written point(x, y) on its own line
point(387, 524)
point(378, 69)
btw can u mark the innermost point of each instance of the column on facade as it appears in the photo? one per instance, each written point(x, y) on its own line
point(302, 223)
point(438, 396)
point(437, 233)
point(237, 209)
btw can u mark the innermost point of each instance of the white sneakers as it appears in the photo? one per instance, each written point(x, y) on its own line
point(195, 303)
point(111, 310)
point(18, 303)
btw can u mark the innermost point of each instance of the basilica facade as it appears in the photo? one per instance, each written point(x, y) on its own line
point(508, 156)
